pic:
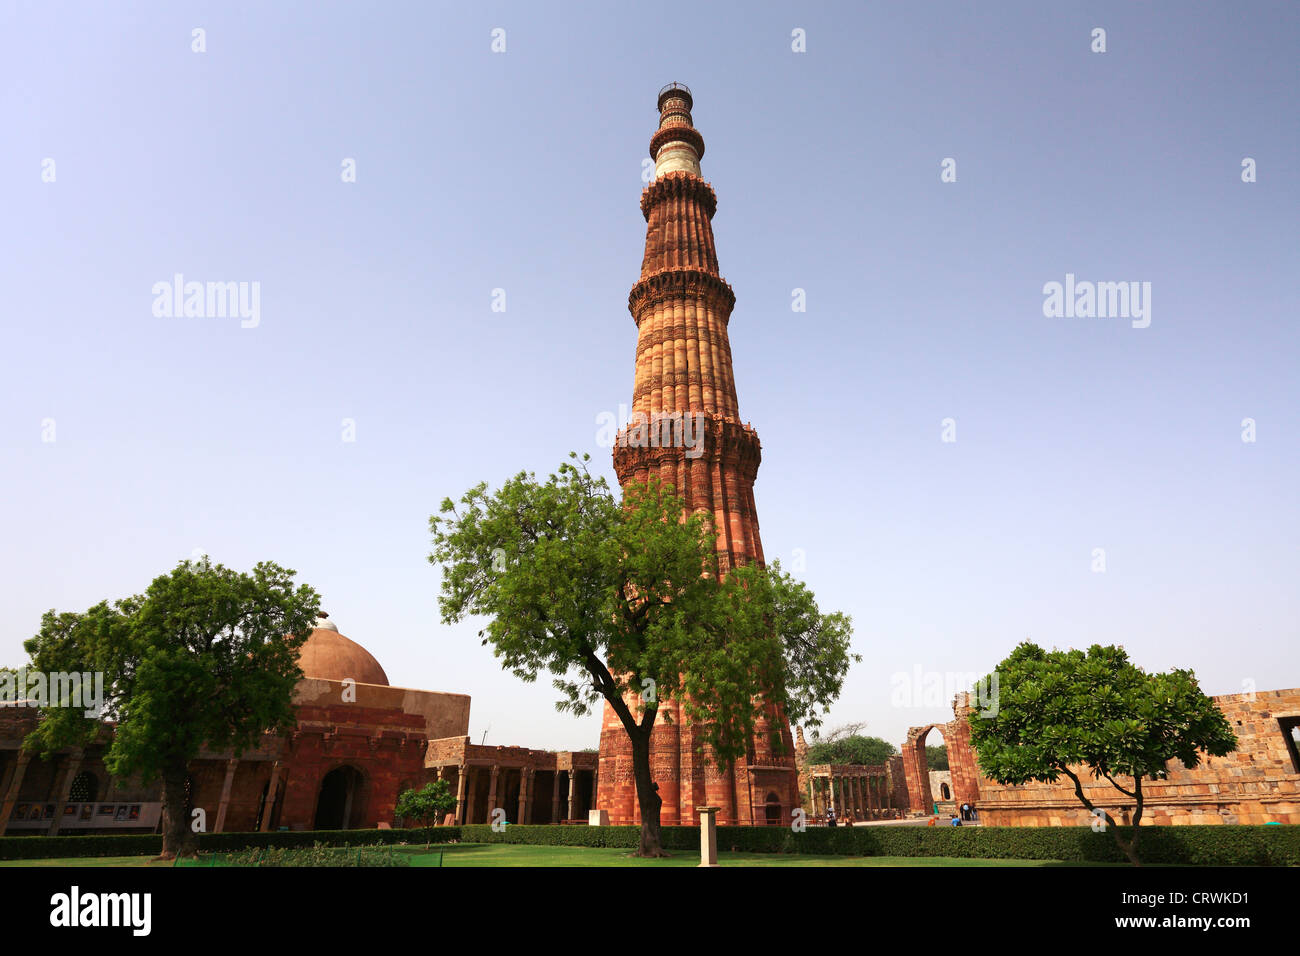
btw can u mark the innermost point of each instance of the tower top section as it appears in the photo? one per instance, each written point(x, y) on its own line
point(680, 90)
point(676, 144)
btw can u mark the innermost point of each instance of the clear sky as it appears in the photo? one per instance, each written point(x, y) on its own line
point(521, 171)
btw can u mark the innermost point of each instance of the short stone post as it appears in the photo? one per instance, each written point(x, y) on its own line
point(708, 835)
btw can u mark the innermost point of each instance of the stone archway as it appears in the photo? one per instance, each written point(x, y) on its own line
point(916, 770)
point(772, 810)
point(962, 766)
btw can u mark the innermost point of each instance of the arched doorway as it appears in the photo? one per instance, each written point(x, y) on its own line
point(772, 810)
point(339, 801)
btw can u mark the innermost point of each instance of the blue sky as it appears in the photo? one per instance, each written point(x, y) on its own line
point(521, 171)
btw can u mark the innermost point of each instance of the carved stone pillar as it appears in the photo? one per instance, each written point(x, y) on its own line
point(524, 774)
point(224, 805)
point(473, 789)
point(461, 773)
point(272, 791)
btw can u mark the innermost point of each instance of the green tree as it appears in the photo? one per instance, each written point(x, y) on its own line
point(609, 598)
point(206, 656)
point(936, 758)
point(1060, 712)
point(426, 806)
point(845, 745)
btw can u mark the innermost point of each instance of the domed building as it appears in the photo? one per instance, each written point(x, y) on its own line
point(358, 742)
point(328, 655)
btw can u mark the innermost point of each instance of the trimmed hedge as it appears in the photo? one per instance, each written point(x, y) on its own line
point(44, 848)
point(1185, 845)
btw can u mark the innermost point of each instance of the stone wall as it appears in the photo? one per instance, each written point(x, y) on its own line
point(1257, 783)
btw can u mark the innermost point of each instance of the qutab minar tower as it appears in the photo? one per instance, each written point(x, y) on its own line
point(682, 306)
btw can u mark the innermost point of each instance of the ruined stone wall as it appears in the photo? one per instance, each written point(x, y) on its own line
point(1258, 783)
point(897, 782)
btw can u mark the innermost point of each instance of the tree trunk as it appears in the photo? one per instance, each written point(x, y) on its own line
point(178, 838)
point(647, 796)
point(1129, 847)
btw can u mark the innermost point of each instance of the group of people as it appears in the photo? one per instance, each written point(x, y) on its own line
point(967, 814)
point(966, 811)
point(832, 820)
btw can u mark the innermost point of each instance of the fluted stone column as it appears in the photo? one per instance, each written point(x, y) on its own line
point(684, 384)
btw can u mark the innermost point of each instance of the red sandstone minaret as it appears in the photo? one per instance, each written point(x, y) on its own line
point(682, 306)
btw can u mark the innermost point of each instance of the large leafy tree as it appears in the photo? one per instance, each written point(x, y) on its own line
point(847, 745)
point(1063, 713)
point(623, 602)
point(207, 656)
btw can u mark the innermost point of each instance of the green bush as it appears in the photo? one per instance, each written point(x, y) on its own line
point(218, 842)
point(315, 856)
point(43, 848)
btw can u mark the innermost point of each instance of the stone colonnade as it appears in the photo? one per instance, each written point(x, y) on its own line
point(527, 786)
point(514, 790)
point(862, 789)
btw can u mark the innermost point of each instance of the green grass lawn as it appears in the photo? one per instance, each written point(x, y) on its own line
point(507, 854)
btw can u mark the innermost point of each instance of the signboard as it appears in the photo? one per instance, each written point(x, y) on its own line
point(132, 815)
